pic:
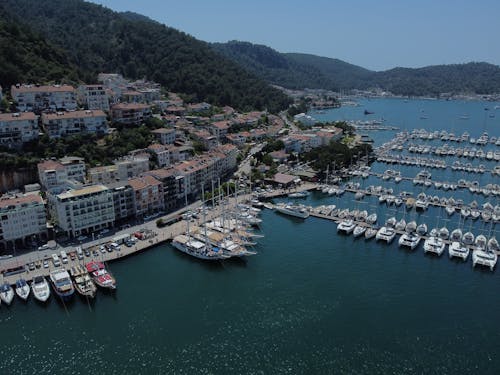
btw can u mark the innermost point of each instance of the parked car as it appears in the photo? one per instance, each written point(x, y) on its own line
point(81, 238)
point(104, 231)
point(31, 266)
point(45, 263)
point(102, 248)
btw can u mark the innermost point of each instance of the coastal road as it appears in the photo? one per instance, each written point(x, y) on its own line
point(245, 165)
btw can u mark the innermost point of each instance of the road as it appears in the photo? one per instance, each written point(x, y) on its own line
point(245, 165)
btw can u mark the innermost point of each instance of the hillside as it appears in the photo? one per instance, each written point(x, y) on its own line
point(27, 57)
point(296, 70)
point(97, 39)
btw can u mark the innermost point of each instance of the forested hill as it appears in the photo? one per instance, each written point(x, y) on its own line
point(295, 70)
point(97, 39)
point(27, 57)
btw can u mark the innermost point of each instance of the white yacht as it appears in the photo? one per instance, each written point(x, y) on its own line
point(6, 293)
point(22, 289)
point(484, 257)
point(40, 288)
point(410, 240)
point(292, 210)
point(434, 245)
point(371, 219)
point(458, 250)
point(386, 233)
point(346, 226)
point(468, 238)
point(401, 224)
point(444, 233)
point(422, 229)
point(456, 235)
point(359, 230)
point(450, 210)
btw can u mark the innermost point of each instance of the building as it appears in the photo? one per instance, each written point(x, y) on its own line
point(18, 128)
point(304, 119)
point(122, 169)
point(130, 113)
point(37, 98)
point(148, 195)
point(123, 200)
point(205, 138)
point(83, 211)
point(162, 154)
point(56, 173)
point(22, 218)
point(219, 129)
point(165, 136)
point(93, 97)
point(1, 94)
point(61, 124)
point(172, 185)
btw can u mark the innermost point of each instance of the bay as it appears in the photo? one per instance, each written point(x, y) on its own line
point(311, 301)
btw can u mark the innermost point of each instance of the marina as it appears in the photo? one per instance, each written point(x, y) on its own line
point(302, 275)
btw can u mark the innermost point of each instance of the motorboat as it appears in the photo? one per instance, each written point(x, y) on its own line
point(371, 219)
point(409, 239)
point(434, 245)
point(299, 211)
point(22, 289)
point(359, 230)
point(458, 250)
point(40, 288)
point(362, 215)
point(61, 282)
point(6, 293)
point(346, 226)
point(299, 194)
point(101, 276)
point(82, 281)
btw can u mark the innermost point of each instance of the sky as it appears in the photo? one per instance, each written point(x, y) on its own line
point(377, 34)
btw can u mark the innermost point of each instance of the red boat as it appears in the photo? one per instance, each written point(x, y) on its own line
point(100, 275)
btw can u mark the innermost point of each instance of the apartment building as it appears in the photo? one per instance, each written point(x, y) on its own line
point(61, 124)
point(36, 98)
point(93, 97)
point(22, 218)
point(130, 113)
point(162, 154)
point(148, 195)
point(165, 136)
point(122, 169)
point(82, 211)
point(18, 128)
point(55, 173)
point(123, 200)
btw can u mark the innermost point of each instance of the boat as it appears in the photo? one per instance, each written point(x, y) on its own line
point(40, 288)
point(458, 250)
point(386, 233)
point(22, 289)
point(484, 257)
point(366, 112)
point(411, 226)
point(444, 233)
point(401, 224)
point(198, 249)
point(450, 210)
point(83, 282)
point(362, 215)
point(370, 233)
point(6, 293)
point(481, 242)
point(434, 245)
point(346, 226)
point(410, 240)
point(299, 194)
point(100, 275)
point(359, 230)
point(456, 235)
point(371, 219)
point(292, 210)
point(422, 229)
point(468, 238)
point(61, 282)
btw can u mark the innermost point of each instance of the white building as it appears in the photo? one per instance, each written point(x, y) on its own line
point(93, 97)
point(304, 119)
point(61, 124)
point(166, 136)
point(18, 128)
point(22, 218)
point(56, 173)
point(38, 98)
point(83, 211)
point(122, 169)
point(162, 154)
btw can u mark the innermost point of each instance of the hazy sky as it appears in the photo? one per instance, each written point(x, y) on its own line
point(375, 34)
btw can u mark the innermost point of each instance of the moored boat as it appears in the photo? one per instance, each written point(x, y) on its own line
point(101, 276)
point(6, 293)
point(22, 289)
point(83, 282)
point(292, 210)
point(61, 282)
point(40, 288)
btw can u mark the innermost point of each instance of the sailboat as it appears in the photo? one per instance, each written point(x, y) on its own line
point(485, 252)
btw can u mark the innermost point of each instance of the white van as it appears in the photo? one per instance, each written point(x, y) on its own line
point(64, 257)
point(79, 252)
point(55, 260)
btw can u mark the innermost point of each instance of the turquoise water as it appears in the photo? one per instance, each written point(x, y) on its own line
point(311, 302)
